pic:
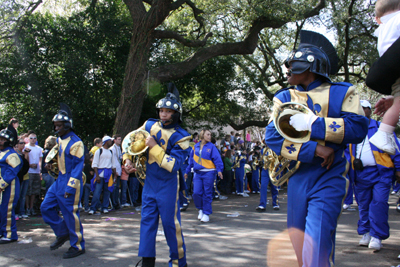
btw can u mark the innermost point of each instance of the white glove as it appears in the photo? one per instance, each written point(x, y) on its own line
point(302, 122)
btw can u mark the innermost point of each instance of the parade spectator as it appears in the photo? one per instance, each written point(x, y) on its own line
point(117, 153)
point(50, 142)
point(14, 123)
point(237, 138)
point(65, 194)
point(248, 139)
point(206, 162)
point(89, 172)
point(97, 144)
point(315, 203)
point(195, 138)
point(104, 165)
point(10, 165)
point(231, 137)
point(226, 183)
point(373, 171)
point(23, 178)
point(35, 162)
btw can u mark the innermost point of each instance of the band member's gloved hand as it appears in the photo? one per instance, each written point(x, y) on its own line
point(302, 122)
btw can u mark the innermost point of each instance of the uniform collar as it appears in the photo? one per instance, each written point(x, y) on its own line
point(312, 85)
point(67, 135)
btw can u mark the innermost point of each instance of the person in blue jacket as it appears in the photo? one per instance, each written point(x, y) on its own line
point(255, 177)
point(373, 171)
point(206, 162)
point(66, 191)
point(317, 189)
point(10, 165)
point(168, 147)
point(265, 182)
point(240, 174)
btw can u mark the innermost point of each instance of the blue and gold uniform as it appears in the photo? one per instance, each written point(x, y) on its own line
point(10, 164)
point(161, 190)
point(265, 181)
point(240, 174)
point(70, 160)
point(372, 185)
point(255, 177)
point(206, 162)
point(315, 193)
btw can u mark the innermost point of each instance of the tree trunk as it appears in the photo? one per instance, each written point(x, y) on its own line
point(133, 90)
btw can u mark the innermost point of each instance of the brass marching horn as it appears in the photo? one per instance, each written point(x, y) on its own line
point(278, 165)
point(134, 144)
point(52, 159)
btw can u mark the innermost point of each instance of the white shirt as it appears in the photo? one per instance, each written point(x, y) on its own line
point(388, 32)
point(105, 161)
point(35, 157)
point(117, 153)
point(367, 157)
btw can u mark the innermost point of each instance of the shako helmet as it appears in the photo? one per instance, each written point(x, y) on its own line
point(315, 53)
point(171, 101)
point(64, 115)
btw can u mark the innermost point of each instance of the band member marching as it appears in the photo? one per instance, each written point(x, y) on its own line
point(67, 190)
point(168, 147)
point(10, 164)
point(317, 189)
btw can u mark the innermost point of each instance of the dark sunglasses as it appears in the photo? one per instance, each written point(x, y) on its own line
point(32, 137)
point(21, 143)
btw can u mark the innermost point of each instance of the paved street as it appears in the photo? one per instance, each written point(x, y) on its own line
point(236, 236)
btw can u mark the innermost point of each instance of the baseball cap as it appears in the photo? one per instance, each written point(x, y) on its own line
point(365, 104)
point(106, 138)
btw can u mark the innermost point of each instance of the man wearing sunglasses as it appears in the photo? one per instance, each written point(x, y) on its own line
point(35, 160)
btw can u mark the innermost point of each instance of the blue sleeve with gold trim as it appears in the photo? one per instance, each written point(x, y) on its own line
point(76, 153)
point(172, 160)
point(350, 126)
point(10, 165)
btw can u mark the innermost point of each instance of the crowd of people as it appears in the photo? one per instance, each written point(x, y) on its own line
point(339, 133)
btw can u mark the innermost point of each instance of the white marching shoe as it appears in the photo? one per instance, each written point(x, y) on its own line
point(205, 218)
point(200, 215)
point(375, 243)
point(365, 240)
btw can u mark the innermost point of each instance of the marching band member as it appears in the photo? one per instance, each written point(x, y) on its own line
point(66, 192)
point(10, 164)
point(168, 147)
point(206, 161)
point(265, 181)
point(240, 174)
point(316, 191)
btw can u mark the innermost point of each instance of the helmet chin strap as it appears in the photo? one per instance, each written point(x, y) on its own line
point(164, 122)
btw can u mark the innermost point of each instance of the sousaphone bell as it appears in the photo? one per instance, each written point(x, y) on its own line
point(280, 168)
point(134, 144)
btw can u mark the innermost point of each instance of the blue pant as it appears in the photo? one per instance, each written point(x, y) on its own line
point(86, 194)
point(124, 187)
point(239, 179)
point(115, 193)
point(203, 190)
point(315, 198)
point(133, 189)
point(373, 196)
point(349, 197)
point(49, 180)
point(8, 226)
point(70, 223)
point(160, 199)
point(99, 187)
point(265, 181)
point(255, 183)
point(22, 197)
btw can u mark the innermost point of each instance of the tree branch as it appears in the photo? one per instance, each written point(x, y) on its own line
point(247, 46)
point(246, 124)
point(186, 42)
